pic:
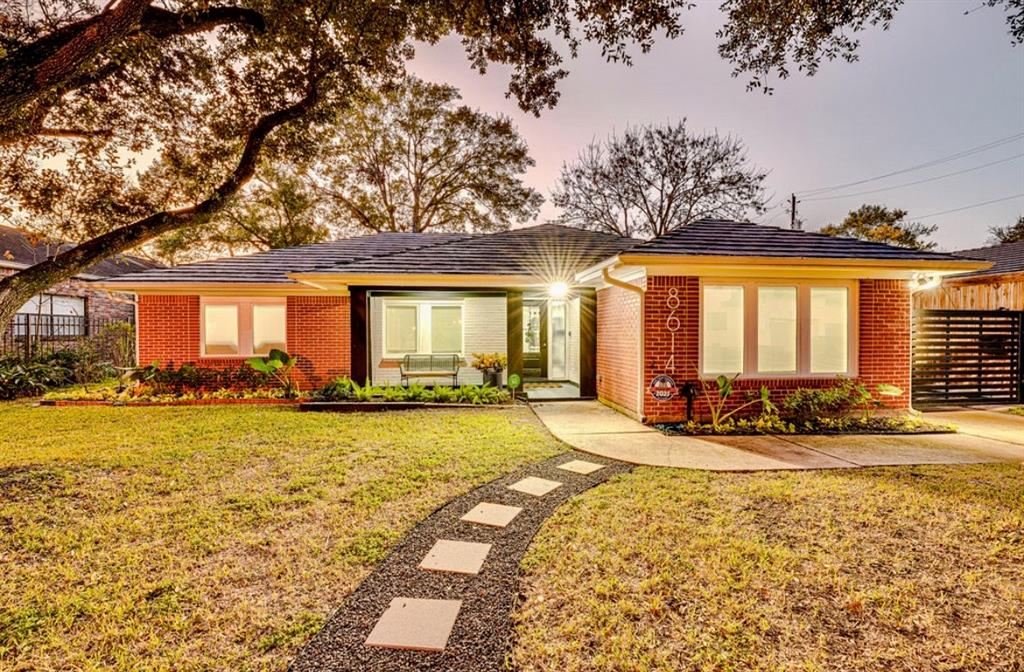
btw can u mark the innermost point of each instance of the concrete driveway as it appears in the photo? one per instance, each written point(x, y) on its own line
point(592, 427)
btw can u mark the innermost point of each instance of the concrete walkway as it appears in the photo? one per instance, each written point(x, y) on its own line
point(594, 428)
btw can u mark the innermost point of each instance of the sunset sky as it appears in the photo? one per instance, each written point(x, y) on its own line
point(937, 83)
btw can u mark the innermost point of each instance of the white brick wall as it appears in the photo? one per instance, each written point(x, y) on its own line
point(484, 330)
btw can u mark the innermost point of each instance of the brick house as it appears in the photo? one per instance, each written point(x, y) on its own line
point(71, 304)
point(591, 314)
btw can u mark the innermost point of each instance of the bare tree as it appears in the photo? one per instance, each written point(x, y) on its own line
point(653, 179)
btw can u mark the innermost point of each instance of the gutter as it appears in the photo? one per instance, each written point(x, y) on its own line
point(641, 292)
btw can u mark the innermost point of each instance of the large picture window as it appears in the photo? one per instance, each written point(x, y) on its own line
point(422, 327)
point(757, 328)
point(233, 327)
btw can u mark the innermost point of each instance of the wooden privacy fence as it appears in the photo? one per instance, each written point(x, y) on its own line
point(33, 335)
point(967, 357)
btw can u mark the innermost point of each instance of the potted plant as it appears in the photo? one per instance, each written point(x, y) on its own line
point(490, 365)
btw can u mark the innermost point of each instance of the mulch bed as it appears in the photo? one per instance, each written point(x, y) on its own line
point(176, 402)
point(483, 633)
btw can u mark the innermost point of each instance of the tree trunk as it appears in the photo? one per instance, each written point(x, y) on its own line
point(16, 289)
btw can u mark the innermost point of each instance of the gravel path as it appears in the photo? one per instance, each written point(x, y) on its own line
point(482, 637)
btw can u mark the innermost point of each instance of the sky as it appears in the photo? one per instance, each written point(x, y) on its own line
point(938, 82)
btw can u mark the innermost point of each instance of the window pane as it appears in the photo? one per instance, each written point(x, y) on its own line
point(531, 329)
point(830, 331)
point(68, 305)
point(776, 329)
point(723, 329)
point(401, 329)
point(221, 329)
point(446, 329)
point(268, 328)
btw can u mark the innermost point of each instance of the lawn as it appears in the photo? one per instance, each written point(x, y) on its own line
point(219, 537)
point(908, 569)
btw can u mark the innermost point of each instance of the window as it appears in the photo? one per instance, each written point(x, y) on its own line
point(51, 315)
point(242, 327)
point(723, 329)
point(424, 327)
point(776, 330)
point(531, 329)
point(830, 330)
point(767, 328)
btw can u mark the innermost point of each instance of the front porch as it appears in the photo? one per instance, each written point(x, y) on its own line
point(548, 335)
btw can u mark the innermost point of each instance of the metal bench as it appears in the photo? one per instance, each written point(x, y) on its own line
point(429, 366)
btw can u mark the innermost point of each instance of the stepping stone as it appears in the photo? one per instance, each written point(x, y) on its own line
point(538, 487)
point(459, 557)
point(492, 515)
point(415, 625)
point(581, 467)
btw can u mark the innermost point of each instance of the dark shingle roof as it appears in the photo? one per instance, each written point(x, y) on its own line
point(273, 266)
point(717, 237)
point(546, 251)
point(1007, 257)
point(18, 249)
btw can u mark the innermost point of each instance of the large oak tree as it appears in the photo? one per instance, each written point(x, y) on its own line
point(652, 179)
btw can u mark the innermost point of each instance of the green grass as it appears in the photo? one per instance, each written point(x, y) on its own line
point(216, 537)
point(916, 568)
point(1017, 410)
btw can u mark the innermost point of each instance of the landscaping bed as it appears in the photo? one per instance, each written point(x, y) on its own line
point(373, 406)
point(171, 402)
point(854, 426)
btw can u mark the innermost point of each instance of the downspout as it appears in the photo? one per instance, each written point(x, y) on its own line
point(640, 291)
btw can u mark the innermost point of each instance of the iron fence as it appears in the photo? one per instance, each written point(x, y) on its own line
point(30, 336)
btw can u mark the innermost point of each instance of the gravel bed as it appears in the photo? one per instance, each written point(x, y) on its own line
point(482, 637)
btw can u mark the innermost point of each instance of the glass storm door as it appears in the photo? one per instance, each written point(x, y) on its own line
point(557, 342)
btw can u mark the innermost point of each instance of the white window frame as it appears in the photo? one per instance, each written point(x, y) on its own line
point(803, 326)
point(423, 317)
point(245, 335)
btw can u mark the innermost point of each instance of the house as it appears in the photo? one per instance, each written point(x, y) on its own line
point(1000, 287)
point(623, 320)
point(67, 308)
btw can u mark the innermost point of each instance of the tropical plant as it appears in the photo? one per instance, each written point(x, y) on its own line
point(444, 394)
point(278, 365)
point(365, 392)
point(339, 389)
point(717, 395)
point(493, 362)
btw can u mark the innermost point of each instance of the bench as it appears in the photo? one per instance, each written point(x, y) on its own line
point(429, 366)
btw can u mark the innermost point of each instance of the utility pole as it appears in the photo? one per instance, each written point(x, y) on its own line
point(794, 223)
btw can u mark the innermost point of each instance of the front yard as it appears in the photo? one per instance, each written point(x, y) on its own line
point(219, 537)
point(905, 568)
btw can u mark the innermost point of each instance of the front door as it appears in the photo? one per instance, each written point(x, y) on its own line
point(535, 340)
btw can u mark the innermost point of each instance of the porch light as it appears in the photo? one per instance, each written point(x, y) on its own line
point(925, 281)
point(558, 290)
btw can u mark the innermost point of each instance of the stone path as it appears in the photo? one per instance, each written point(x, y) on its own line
point(444, 598)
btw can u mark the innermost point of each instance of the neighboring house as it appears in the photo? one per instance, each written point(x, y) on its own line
point(67, 308)
point(998, 288)
point(623, 320)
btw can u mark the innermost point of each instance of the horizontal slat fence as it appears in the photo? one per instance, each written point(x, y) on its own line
point(967, 357)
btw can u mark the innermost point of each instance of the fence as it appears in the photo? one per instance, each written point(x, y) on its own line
point(32, 335)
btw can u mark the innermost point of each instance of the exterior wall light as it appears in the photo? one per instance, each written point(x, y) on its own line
point(925, 281)
point(558, 290)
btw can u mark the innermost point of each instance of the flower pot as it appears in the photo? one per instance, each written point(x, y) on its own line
point(492, 378)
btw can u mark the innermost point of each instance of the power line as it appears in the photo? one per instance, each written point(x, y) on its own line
point(968, 207)
point(910, 184)
point(926, 164)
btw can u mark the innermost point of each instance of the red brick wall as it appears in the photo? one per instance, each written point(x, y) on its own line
point(618, 344)
point(318, 332)
point(884, 344)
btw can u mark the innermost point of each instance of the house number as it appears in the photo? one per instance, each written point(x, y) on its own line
point(672, 324)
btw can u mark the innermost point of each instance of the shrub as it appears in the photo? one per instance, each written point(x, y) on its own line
point(808, 404)
point(493, 361)
point(339, 389)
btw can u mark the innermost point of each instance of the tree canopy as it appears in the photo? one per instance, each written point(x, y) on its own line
point(1012, 233)
point(879, 224)
point(413, 159)
point(652, 179)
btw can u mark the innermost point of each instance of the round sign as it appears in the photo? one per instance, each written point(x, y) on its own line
point(514, 381)
point(663, 388)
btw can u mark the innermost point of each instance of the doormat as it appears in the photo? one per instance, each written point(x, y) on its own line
point(544, 386)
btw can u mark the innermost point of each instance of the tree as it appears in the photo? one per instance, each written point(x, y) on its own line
point(278, 209)
point(879, 224)
point(214, 91)
point(766, 39)
point(651, 180)
point(412, 159)
point(1013, 233)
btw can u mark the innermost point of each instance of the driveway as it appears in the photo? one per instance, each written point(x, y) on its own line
point(594, 428)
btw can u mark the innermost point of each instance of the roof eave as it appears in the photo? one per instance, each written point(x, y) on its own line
point(948, 265)
point(212, 288)
point(340, 280)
